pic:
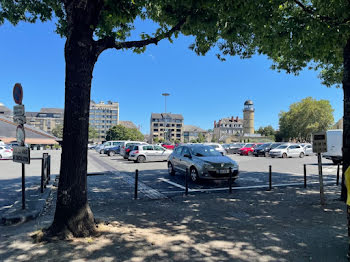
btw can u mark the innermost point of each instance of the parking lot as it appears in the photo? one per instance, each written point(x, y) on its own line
point(254, 173)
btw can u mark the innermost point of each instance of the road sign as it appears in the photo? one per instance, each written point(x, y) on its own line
point(18, 110)
point(21, 120)
point(20, 135)
point(319, 142)
point(21, 154)
point(18, 93)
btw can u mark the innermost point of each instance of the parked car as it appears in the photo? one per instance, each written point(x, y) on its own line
point(248, 149)
point(109, 144)
point(124, 144)
point(111, 151)
point(168, 146)
point(202, 162)
point(234, 148)
point(288, 150)
point(6, 152)
point(143, 153)
point(218, 147)
point(264, 149)
point(307, 149)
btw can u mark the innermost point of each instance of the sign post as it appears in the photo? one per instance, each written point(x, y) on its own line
point(21, 153)
point(319, 145)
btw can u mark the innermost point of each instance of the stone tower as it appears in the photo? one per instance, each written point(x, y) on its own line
point(248, 117)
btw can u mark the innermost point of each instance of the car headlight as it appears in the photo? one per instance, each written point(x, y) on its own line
point(208, 166)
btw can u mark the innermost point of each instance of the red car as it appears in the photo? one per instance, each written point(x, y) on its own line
point(168, 146)
point(248, 149)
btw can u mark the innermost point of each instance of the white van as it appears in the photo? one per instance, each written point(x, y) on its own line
point(334, 146)
point(109, 144)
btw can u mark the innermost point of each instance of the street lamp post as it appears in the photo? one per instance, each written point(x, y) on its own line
point(165, 129)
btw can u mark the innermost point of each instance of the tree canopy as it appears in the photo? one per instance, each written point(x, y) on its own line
point(266, 131)
point(58, 131)
point(304, 118)
point(120, 132)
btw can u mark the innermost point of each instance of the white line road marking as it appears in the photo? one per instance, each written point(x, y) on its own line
point(235, 188)
point(173, 183)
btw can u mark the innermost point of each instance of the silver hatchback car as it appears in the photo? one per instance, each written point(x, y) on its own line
point(143, 153)
point(203, 162)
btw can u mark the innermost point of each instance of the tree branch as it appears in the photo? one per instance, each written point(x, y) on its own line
point(327, 19)
point(109, 42)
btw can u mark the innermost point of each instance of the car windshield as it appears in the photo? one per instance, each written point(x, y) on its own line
point(249, 145)
point(203, 151)
point(275, 145)
point(282, 147)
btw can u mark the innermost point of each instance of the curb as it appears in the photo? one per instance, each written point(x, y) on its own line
point(34, 207)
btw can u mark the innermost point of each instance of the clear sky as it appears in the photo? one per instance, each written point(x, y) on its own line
point(201, 88)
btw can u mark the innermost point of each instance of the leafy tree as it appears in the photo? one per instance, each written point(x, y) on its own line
point(156, 140)
point(58, 131)
point(201, 138)
point(120, 132)
point(306, 117)
point(93, 134)
point(266, 131)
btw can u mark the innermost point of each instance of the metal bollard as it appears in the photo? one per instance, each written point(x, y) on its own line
point(42, 176)
point(136, 182)
point(230, 181)
point(48, 168)
point(304, 175)
point(186, 182)
point(270, 177)
point(338, 174)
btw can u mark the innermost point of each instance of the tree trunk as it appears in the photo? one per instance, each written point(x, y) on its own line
point(346, 119)
point(73, 214)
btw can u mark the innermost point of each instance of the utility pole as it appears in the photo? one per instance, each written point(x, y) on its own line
point(165, 129)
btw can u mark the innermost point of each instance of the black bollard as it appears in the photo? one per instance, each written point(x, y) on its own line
point(230, 181)
point(136, 182)
point(270, 177)
point(304, 175)
point(338, 174)
point(186, 182)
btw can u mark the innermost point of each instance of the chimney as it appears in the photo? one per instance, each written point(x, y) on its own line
point(219, 122)
point(214, 123)
point(232, 119)
point(236, 118)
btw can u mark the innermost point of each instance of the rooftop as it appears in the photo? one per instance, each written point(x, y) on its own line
point(166, 115)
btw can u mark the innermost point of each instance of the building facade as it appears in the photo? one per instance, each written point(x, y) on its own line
point(191, 133)
point(166, 127)
point(47, 119)
point(228, 127)
point(102, 117)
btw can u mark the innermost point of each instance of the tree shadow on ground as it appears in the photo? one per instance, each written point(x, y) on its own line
point(286, 224)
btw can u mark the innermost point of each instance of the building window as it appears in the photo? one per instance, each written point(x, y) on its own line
point(155, 130)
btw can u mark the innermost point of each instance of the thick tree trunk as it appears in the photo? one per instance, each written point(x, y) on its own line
point(346, 120)
point(73, 215)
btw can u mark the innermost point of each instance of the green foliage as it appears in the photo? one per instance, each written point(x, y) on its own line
point(201, 138)
point(266, 131)
point(93, 134)
point(58, 131)
point(120, 132)
point(305, 118)
point(156, 140)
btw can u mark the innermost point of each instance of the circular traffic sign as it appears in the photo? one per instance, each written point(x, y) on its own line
point(18, 93)
point(20, 135)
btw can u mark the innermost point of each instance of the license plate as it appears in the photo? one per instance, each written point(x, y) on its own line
point(224, 171)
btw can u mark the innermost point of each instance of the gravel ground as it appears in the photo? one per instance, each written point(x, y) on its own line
point(285, 224)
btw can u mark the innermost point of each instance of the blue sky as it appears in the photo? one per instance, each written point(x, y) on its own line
point(201, 88)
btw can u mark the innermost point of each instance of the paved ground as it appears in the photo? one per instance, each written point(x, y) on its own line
point(286, 224)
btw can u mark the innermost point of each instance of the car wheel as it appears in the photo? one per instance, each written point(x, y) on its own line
point(266, 154)
point(171, 170)
point(141, 159)
point(111, 153)
point(102, 151)
point(301, 155)
point(250, 153)
point(284, 155)
point(194, 174)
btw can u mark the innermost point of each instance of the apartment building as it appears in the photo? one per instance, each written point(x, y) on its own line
point(102, 117)
point(47, 119)
point(166, 127)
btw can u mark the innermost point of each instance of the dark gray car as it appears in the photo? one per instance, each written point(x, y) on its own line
point(203, 162)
